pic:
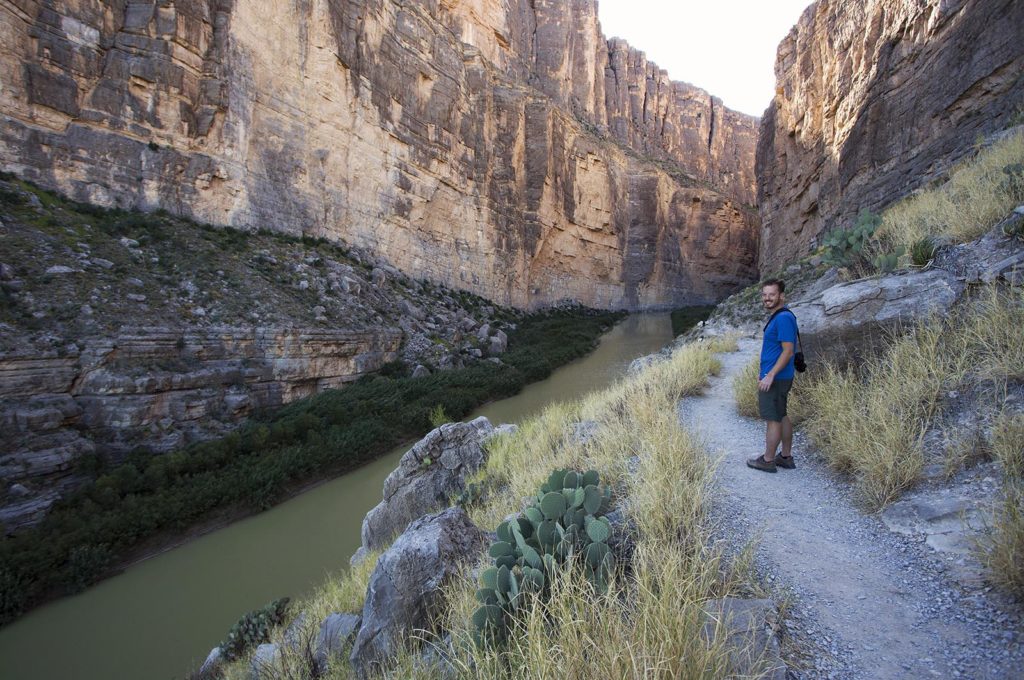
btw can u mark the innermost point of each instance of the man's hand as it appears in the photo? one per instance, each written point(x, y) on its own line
point(765, 383)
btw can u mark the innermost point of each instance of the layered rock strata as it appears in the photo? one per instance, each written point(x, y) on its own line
point(157, 387)
point(874, 99)
point(504, 148)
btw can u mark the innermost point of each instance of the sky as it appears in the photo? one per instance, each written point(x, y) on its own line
point(726, 47)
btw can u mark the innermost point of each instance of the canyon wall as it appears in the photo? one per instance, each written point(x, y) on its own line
point(160, 388)
point(498, 146)
point(874, 99)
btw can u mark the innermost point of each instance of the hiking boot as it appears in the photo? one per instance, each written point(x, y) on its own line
point(786, 462)
point(760, 463)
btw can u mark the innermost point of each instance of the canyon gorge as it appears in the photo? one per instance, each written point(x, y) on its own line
point(502, 148)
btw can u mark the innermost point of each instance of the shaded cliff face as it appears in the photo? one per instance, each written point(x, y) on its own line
point(502, 147)
point(875, 98)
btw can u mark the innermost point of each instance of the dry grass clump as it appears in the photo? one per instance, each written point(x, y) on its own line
point(871, 424)
point(977, 195)
point(1002, 550)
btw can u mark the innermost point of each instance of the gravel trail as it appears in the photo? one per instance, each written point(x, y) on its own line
point(866, 603)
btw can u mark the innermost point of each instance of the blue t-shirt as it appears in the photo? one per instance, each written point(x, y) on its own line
point(780, 329)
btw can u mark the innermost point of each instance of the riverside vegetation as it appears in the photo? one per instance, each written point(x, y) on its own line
point(651, 621)
point(871, 421)
point(99, 526)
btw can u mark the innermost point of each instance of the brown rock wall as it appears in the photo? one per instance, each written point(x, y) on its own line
point(485, 144)
point(874, 99)
point(159, 388)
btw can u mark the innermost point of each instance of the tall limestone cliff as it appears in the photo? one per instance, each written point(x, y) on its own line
point(875, 98)
point(498, 146)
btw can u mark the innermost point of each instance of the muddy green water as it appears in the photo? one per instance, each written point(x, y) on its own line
point(159, 619)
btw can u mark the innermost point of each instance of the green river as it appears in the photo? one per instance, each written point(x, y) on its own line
point(160, 618)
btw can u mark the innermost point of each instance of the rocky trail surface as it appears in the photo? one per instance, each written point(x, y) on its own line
point(865, 602)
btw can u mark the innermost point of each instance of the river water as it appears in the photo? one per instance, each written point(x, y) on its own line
point(159, 618)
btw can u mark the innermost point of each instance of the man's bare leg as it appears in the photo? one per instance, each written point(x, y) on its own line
point(772, 437)
point(787, 437)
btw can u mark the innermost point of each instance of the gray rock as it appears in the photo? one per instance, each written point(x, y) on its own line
point(750, 627)
point(129, 242)
point(420, 371)
point(336, 632)
point(411, 310)
point(132, 281)
point(211, 666)
point(641, 364)
point(406, 586)
point(484, 332)
point(848, 320)
point(59, 269)
point(378, 277)
point(265, 661)
point(136, 297)
point(427, 476)
point(6, 272)
point(102, 263)
point(498, 344)
point(583, 431)
point(18, 491)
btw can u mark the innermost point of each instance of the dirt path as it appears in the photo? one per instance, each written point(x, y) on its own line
point(873, 602)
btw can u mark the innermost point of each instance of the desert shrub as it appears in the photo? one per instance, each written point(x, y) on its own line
point(846, 247)
point(744, 390)
point(687, 317)
point(253, 629)
point(1002, 548)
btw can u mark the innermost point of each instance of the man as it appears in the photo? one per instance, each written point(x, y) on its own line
point(775, 378)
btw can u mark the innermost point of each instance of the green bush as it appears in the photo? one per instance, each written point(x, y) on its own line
point(687, 317)
point(253, 629)
point(922, 251)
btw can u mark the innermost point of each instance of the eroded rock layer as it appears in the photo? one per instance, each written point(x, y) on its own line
point(156, 387)
point(498, 146)
point(875, 98)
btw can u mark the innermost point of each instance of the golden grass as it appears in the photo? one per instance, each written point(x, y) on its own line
point(872, 425)
point(1008, 445)
point(651, 624)
point(976, 196)
point(1002, 550)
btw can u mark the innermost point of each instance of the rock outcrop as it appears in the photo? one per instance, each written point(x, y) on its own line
point(874, 99)
point(405, 587)
point(505, 148)
point(427, 476)
point(56, 409)
point(849, 319)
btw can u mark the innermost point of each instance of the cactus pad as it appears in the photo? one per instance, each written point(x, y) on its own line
point(552, 505)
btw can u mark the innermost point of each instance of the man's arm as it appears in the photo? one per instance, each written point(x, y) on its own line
point(766, 382)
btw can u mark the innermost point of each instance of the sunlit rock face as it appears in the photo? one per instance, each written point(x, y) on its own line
point(498, 146)
point(874, 99)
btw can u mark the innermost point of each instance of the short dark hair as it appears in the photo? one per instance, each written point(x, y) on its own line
point(778, 283)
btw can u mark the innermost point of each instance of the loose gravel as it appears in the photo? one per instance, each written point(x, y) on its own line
point(860, 600)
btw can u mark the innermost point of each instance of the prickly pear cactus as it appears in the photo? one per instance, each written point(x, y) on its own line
point(564, 528)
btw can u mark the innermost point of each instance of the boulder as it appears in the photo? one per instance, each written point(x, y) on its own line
point(427, 476)
point(498, 344)
point(265, 662)
point(212, 666)
point(483, 332)
point(847, 320)
point(336, 632)
point(640, 364)
point(420, 371)
point(405, 589)
point(751, 629)
point(994, 257)
point(378, 277)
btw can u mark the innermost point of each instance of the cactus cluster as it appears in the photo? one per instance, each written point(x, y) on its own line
point(565, 526)
point(254, 629)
